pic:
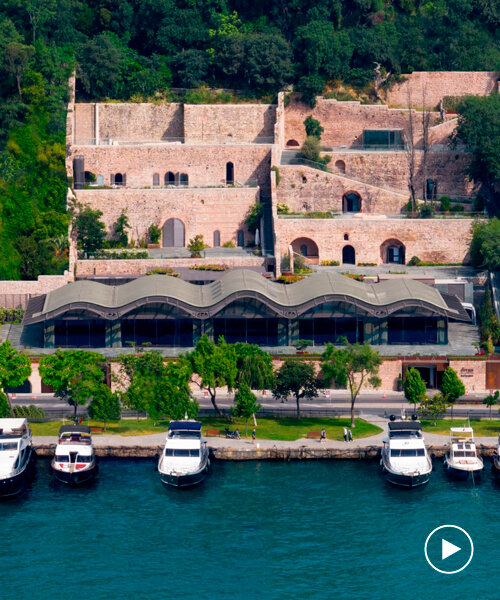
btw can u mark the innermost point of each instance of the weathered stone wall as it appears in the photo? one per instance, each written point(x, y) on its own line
point(84, 124)
point(225, 122)
point(472, 373)
point(432, 240)
point(202, 210)
point(204, 165)
point(16, 294)
point(434, 85)
point(344, 122)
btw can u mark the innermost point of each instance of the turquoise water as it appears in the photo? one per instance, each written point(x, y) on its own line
point(252, 530)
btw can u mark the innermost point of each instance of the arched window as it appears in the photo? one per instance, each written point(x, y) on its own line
point(184, 180)
point(351, 202)
point(169, 178)
point(393, 251)
point(306, 247)
point(120, 179)
point(229, 173)
point(216, 238)
point(346, 236)
point(292, 143)
point(174, 234)
point(241, 238)
point(340, 166)
point(348, 255)
point(304, 179)
point(156, 179)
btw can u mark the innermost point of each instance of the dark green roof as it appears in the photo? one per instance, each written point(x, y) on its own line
point(112, 302)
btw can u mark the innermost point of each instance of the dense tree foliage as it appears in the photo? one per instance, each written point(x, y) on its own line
point(137, 49)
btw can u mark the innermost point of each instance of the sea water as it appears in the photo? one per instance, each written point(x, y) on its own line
point(259, 530)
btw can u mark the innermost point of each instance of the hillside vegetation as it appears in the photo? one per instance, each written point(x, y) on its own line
point(140, 49)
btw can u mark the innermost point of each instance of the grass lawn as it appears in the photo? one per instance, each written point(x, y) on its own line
point(483, 428)
point(272, 429)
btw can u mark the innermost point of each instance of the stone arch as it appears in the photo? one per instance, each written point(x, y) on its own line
point(216, 238)
point(184, 179)
point(169, 178)
point(173, 234)
point(120, 179)
point(340, 166)
point(348, 255)
point(306, 247)
point(229, 173)
point(292, 144)
point(393, 251)
point(156, 179)
point(351, 202)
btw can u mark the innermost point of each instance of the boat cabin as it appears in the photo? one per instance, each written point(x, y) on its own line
point(462, 444)
point(75, 434)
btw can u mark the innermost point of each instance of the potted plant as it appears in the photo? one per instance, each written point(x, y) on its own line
point(400, 383)
point(154, 234)
point(196, 246)
point(301, 346)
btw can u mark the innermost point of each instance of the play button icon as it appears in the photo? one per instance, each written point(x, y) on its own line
point(448, 549)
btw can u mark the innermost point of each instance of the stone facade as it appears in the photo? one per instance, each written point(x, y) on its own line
point(432, 240)
point(433, 86)
point(202, 210)
point(16, 294)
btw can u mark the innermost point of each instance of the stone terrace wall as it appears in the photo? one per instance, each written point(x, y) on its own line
point(223, 122)
point(438, 84)
point(344, 122)
point(202, 210)
point(84, 124)
point(324, 192)
point(205, 165)
point(15, 294)
point(432, 240)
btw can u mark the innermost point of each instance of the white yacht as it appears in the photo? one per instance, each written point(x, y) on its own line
point(405, 460)
point(461, 459)
point(74, 461)
point(184, 460)
point(496, 460)
point(16, 454)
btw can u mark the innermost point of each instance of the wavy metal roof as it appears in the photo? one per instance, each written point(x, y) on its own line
point(112, 302)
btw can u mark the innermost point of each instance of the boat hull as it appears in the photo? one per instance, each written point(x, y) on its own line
point(462, 474)
point(408, 481)
point(496, 468)
point(185, 480)
point(12, 486)
point(76, 477)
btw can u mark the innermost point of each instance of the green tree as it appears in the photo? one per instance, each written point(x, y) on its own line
point(298, 379)
point(491, 400)
point(435, 406)
point(414, 387)
point(90, 230)
point(15, 368)
point(196, 245)
point(310, 86)
point(254, 367)
point(191, 67)
point(311, 149)
point(452, 387)
point(489, 327)
point(5, 409)
point(246, 404)
point(105, 405)
point(313, 127)
point(16, 59)
point(485, 245)
point(354, 365)
point(267, 63)
point(75, 375)
point(252, 219)
point(120, 230)
point(214, 366)
point(161, 389)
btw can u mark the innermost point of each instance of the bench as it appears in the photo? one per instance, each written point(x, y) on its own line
point(95, 429)
point(212, 432)
point(313, 435)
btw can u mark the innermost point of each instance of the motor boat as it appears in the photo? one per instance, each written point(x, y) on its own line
point(496, 460)
point(461, 460)
point(16, 455)
point(74, 461)
point(405, 460)
point(184, 461)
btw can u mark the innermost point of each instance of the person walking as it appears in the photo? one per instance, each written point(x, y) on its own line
point(253, 435)
point(323, 435)
point(345, 434)
point(350, 435)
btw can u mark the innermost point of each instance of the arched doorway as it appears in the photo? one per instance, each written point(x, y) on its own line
point(156, 179)
point(348, 255)
point(351, 202)
point(393, 251)
point(229, 173)
point(184, 180)
point(216, 238)
point(307, 248)
point(340, 166)
point(120, 179)
point(241, 238)
point(174, 234)
point(89, 177)
point(293, 144)
point(169, 178)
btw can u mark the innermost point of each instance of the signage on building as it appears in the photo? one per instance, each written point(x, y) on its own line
point(466, 372)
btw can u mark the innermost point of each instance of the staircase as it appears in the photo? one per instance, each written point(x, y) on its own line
point(267, 226)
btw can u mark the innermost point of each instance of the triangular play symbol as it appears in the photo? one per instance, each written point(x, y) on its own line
point(447, 549)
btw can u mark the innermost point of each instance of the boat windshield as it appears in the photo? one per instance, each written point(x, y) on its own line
point(405, 434)
point(62, 458)
point(184, 433)
point(183, 452)
point(83, 459)
point(462, 453)
point(8, 446)
point(414, 452)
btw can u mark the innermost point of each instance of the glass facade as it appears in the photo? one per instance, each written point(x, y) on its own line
point(412, 330)
point(81, 333)
point(158, 332)
point(323, 331)
point(263, 332)
point(383, 139)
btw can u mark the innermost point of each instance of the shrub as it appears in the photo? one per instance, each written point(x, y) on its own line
point(479, 203)
point(11, 315)
point(313, 127)
point(212, 267)
point(426, 211)
point(154, 233)
point(229, 244)
point(311, 149)
point(283, 209)
point(169, 271)
point(414, 261)
point(252, 219)
point(367, 264)
point(457, 208)
point(121, 255)
point(29, 412)
point(277, 171)
point(330, 263)
point(445, 203)
point(196, 245)
point(289, 278)
point(354, 276)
